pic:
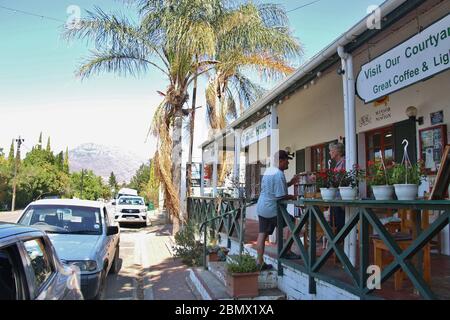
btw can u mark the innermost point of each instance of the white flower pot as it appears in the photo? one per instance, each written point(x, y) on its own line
point(348, 193)
point(406, 191)
point(328, 193)
point(383, 192)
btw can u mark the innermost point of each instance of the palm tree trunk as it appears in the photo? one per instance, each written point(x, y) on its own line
point(191, 139)
point(176, 167)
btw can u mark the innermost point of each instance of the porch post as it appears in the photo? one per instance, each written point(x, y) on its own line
point(215, 164)
point(274, 147)
point(350, 135)
point(202, 175)
point(237, 158)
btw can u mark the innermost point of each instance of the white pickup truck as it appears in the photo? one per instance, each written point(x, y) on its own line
point(131, 209)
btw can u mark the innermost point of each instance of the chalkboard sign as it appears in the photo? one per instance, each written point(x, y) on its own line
point(443, 177)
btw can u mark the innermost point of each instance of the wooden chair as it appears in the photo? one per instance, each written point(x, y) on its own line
point(403, 233)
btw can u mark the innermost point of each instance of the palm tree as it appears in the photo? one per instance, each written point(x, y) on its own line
point(168, 37)
point(181, 39)
point(261, 43)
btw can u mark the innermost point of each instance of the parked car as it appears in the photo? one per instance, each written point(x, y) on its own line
point(131, 209)
point(83, 235)
point(30, 268)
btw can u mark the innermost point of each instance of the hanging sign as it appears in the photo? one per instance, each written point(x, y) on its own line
point(256, 132)
point(420, 57)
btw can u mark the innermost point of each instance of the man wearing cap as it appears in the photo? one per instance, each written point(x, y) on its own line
point(273, 188)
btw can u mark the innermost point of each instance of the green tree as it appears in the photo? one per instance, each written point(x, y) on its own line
point(59, 161)
point(150, 190)
point(112, 182)
point(86, 185)
point(39, 145)
point(48, 149)
point(140, 178)
point(66, 161)
point(11, 156)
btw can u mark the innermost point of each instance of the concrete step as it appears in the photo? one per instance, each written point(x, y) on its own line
point(212, 288)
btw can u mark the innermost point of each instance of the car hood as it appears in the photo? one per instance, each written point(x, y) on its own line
point(72, 247)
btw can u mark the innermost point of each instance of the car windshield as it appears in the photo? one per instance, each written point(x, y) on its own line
point(133, 201)
point(63, 219)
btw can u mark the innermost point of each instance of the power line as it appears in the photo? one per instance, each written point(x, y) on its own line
point(31, 14)
point(302, 6)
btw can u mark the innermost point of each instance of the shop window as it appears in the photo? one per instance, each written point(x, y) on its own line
point(318, 157)
point(380, 143)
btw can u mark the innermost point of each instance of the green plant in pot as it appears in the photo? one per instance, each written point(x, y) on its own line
point(242, 276)
point(406, 180)
point(379, 178)
point(406, 176)
point(349, 182)
point(216, 253)
point(327, 181)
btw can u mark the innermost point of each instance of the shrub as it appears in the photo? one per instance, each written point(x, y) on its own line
point(188, 248)
point(412, 174)
point(242, 264)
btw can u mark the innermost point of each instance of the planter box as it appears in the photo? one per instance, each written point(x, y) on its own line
point(242, 285)
point(348, 193)
point(406, 191)
point(383, 193)
point(328, 193)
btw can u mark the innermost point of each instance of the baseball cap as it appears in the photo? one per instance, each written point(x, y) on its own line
point(283, 155)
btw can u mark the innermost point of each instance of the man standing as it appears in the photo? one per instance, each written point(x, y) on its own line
point(273, 189)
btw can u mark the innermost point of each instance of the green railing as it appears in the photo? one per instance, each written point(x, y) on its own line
point(362, 215)
point(224, 215)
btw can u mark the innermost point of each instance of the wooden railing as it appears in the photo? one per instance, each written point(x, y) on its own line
point(362, 217)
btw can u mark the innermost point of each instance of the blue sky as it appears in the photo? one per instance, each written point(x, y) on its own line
point(39, 90)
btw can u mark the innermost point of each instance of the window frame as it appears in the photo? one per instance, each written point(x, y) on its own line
point(382, 131)
point(29, 272)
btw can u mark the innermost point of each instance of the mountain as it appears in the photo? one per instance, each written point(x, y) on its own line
point(102, 160)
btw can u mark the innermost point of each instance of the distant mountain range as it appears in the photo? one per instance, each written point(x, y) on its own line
point(103, 160)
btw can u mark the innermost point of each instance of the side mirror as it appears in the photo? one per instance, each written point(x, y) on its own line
point(113, 203)
point(112, 230)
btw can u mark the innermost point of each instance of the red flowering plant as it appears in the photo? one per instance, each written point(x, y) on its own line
point(329, 178)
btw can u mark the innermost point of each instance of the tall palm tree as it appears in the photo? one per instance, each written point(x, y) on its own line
point(261, 42)
point(168, 37)
point(180, 38)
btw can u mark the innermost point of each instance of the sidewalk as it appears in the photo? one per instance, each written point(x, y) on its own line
point(164, 276)
point(9, 216)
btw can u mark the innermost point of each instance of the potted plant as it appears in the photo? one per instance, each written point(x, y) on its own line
point(406, 179)
point(242, 276)
point(379, 178)
point(349, 182)
point(216, 253)
point(328, 182)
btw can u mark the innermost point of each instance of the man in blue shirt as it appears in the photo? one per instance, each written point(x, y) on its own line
point(273, 188)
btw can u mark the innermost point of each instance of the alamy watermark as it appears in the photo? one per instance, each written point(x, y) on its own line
point(74, 19)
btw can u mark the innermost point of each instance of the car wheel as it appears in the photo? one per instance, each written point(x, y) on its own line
point(115, 267)
point(102, 287)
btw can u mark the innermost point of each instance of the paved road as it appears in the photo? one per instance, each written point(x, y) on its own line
point(148, 270)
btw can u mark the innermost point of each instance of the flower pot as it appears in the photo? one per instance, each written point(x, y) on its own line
point(383, 192)
point(348, 193)
point(328, 193)
point(242, 285)
point(406, 191)
point(213, 257)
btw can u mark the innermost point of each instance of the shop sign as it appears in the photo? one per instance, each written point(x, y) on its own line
point(420, 57)
point(256, 132)
point(437, 117)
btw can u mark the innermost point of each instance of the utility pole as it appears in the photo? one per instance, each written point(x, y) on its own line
point(16, 165)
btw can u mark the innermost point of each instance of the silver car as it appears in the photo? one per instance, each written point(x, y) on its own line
point(30, 268)
point(82, 234)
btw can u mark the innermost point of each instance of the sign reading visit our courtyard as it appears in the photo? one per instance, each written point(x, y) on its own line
point(420, 57)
